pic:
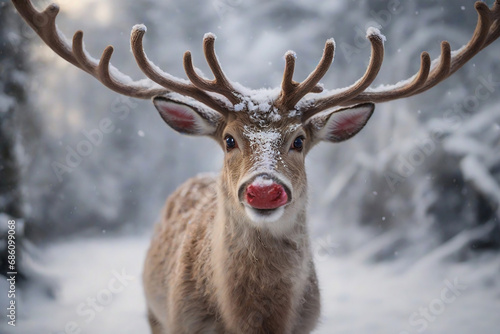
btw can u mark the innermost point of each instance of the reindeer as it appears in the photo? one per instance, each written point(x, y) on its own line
point(231, 253)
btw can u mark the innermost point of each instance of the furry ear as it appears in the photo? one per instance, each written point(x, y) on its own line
point(187, 119)
point(341, 124)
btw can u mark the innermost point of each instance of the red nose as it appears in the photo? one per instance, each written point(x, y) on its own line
point(266, 196)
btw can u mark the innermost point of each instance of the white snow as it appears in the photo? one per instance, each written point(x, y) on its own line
point(209, 35)
point(456, 52)
point(357, 296)
point(139, 27)
point(79, 272)
point(259, 104)
point(369, 298)
point(292, 128)
point(332, 40)
point(372, 31)
point(265, 145)
point(291, 53)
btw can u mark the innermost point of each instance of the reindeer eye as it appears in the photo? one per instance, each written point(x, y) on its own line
point(230, 143)
point(298, 144)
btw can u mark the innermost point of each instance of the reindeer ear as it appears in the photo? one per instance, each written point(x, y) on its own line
point(187, 119)
point(341, 124)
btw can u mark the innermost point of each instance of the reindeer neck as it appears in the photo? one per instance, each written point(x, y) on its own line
point(257, 271)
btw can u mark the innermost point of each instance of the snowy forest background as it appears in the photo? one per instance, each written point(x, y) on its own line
point(405, 210)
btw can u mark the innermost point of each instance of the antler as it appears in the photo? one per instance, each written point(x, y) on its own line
point(292, 91)
point(194, 90)
point(220, 84)
point(45, 26)
point(487, 30)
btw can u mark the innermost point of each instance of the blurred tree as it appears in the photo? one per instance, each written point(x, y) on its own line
point(12, 99)
point(11, 94)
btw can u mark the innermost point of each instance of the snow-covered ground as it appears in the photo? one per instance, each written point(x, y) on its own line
point(96, 286)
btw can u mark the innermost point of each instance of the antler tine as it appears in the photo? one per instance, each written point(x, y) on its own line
point(101, 71)
point(292, 91)
point(406, 89)
point(377, 57)
point(220, 84)
point(288, 85)
point(495, 25)
point(486, 31)
point(166, 80)
point(478, 38)
point(44, 24)
point(424, 77)
point(79, 53)
point(439, 73)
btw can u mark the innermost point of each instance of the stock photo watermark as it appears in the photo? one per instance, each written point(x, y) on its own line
point(380, 19)
point(11, 273)
point(421, 319)
point(88, 310)
point(324, 248)
point(406, 164)
point(93, 138)
point(225, 7)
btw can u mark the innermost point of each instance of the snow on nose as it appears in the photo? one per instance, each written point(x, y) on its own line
point(266, 195)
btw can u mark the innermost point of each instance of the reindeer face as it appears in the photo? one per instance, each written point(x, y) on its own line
point(265, 147)
point(264, 167)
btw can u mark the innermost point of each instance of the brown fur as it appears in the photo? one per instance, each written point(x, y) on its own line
point(209, 270)
point(251, 282)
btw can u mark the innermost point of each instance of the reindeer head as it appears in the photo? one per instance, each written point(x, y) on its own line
point(265, 134)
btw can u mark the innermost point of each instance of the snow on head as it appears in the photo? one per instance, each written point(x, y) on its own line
point(265, 146)
point(259, 104)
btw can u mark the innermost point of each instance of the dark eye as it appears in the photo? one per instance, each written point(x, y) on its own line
point(230, 143)
point(298, 144)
